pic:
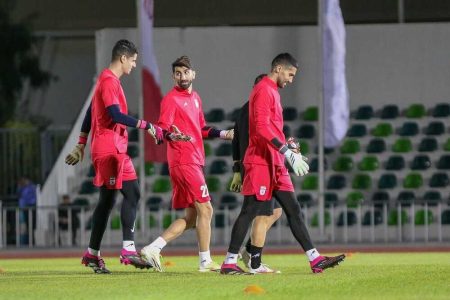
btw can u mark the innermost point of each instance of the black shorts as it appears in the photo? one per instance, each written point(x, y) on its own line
point(266, 210)
point(260, 208)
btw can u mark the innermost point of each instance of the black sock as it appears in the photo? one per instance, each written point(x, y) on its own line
point(131, 194)
point(256, 253)
point(100, 216)
point(248, 245)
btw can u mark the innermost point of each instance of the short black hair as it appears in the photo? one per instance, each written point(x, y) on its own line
point(183, 61)
point(284, 59)
point(123, 47)
point(258, 78)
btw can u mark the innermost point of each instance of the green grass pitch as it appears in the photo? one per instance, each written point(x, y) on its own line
point(361, 276)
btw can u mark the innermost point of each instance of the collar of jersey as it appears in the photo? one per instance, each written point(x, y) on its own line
point(270, 82)
point(182, 91)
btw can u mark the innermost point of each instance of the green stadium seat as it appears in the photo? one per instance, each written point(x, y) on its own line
point(445, 217)
point(432, 197)
point(387, 181)
point(161, 185)
point(87, 187)
point(441, 110)
point(229, 201)
point(154, 203)
point(214, 184)
point(428, 144)
point(402, 145)
point(304, 147)
point(361, 182)
point(164, 170)
point(310, 182)
point(435, 128)
point(305, 199)
point(415, 111)
point(234, 114)
point(350, 146)
point(215, 115)
point(331, 199)
point(315, 219)
point(336, 182)
point(354, 199)
point(408, 129)
point(406, 198)
point(364, 112)
point(306, 131)
point(421, 162)
point(343, 164)
point(133, 151)
point(91, 172)
point(446, 146)
point(368, 163)
point(367, 219)
point(357, 130)
point(149, 169)
point(443, 162)
point(413, 181)
point(133, 135)
point(420, 217)
point(287, 131)
point(311, 114)
point(389, 112)
point(218, 166)
point(224, 149)
point(439, 180)
point(314, 165)
point(376, 146)
point(393, 218)
point(208, 149)
point(115, 222)
point(351, 219)
point(395, 163)
point(290, 113)
point(382, 130)
point(168, 219)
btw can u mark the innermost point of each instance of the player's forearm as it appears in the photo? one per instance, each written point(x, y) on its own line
point(86, 126)
point(264, 131)
point(210, 132)
point(126, 120)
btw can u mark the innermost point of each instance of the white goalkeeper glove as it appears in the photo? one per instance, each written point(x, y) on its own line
point(76, 155)
point(295, 160)
point(227, 134)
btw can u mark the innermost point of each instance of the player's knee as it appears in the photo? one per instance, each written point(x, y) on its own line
point(205, 210)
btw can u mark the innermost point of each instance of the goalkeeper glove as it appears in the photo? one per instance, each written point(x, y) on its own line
point(236, 182)
point(76, 155)
point(295, 161)
point(227, 134)
point(156, 133)
point(176, 135)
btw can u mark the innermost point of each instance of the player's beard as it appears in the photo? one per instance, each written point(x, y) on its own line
point(184, 84)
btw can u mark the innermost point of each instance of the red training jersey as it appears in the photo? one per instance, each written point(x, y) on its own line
point(265, 124)
point(107, 136)
point(185, 111)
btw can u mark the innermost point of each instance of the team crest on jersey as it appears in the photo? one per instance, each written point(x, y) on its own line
point(262, 190)
point(112, 180)
point(196, 102)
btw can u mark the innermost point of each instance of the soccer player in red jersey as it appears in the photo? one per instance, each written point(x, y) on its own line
point(266, 175)
point(182, 109)
point(107, 119)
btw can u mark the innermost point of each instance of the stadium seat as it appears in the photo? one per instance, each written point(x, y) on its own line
point(435, 128)
point(354, 199)
point(229, 201)
point(376, 146)
point(219, 220)
point(387, 181)
point(428, 144)
point(357, 130)
point(350, 146)
point(306, 131)
point(215, 115)
point(432, 197)
point(310, 182)
point(336, 182)
point(315, 219)
point(305, 199)
point(234, 114)
point(445, 217)
point(415, 111)
point(331, 199)
point(408, 129)
point(389, 112)
point(314, 165)
point(213, 184)
point(367, 219)
point(87, 187)
point(80, 202)
point(420, 217)
point(287, 131)
point(325, 150)
point(395, 163)
point(224, 149)
point(218, 166)
point(439, 180)
point(393, 217)
point(368, 163)
point(382, 130)
point(133, 151)
point(361, 182)
point(402, 145)
point(304, 147)
point(406, 198)
point(154, 203)
point(168, 219)
point(421, 162)
point(413, 181)
point(91, 172)
point(133, 135)
point(343, 164)
point(443, 162)
point(149, 169)
point(115, 222)
point(290, 113)
point(164, 170)
point(441, 110)
point(446, 145)
point(161, 185)
point(311, 114)
point(364, 112)
point(351, 219)
point(380, 197)
point(208, 149)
